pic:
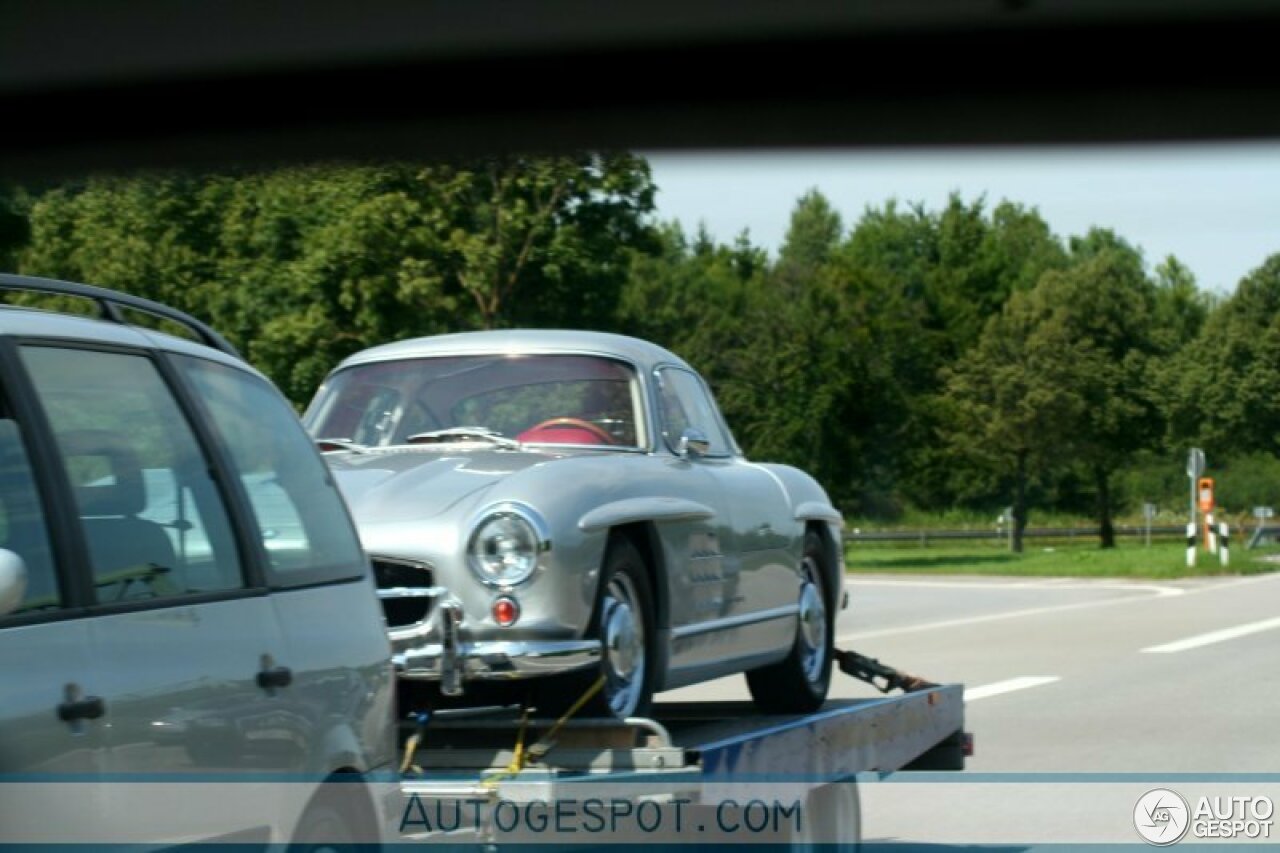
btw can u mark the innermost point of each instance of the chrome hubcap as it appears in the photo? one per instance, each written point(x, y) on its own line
point(813, 622)
point(623, 647)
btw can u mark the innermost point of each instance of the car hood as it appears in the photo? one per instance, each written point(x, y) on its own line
point(387, 486)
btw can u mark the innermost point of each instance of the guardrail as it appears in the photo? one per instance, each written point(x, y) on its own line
point(1002, 533)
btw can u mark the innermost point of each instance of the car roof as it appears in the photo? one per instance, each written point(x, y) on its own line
point(643, 354)
point(39, 323)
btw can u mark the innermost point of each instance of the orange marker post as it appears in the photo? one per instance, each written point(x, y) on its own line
point(1204, 492)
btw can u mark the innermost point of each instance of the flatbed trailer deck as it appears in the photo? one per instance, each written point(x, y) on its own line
point(696, 756)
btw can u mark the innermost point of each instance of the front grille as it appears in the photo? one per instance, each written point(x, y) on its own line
point(406, 588)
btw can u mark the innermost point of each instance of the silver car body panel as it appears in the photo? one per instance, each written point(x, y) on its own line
point(814, 511)
point(632, 510)
point(726, 535)
point(179, 679)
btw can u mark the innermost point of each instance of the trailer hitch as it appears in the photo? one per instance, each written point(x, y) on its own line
point(881, 677)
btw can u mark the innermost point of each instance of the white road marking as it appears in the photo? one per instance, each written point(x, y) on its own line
point(1054, 583)
point(1008, 686)
point(990, 617)
point(1215, 637)
point(1158, 590)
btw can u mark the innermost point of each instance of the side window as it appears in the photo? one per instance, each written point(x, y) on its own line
point(152, 517)
point(685, 403)
point(304, 525)
point(22, 525)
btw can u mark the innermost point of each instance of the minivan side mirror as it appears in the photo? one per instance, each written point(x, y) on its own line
point(13, 581)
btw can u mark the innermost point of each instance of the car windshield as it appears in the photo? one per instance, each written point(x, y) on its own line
point(533, 399)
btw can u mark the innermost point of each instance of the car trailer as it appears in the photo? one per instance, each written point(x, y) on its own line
point(690, 772)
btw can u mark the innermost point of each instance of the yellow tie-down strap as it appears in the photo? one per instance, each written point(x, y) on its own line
point(522, 756)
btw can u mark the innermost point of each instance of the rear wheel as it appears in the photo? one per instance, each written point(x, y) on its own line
point(798, 684)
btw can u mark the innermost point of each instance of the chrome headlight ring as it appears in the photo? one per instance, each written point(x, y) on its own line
point(505, 544)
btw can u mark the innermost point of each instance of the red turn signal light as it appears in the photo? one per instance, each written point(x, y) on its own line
point(506, 611)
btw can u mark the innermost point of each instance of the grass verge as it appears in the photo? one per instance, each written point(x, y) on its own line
point(1053, 559)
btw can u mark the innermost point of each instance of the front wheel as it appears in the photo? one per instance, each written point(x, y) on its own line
point(625, 625)
point(798, 684)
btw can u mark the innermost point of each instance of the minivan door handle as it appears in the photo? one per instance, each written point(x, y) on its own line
point(272, 676)
point(78, 707)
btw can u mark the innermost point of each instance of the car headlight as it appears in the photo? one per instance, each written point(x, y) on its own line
point(505, 545)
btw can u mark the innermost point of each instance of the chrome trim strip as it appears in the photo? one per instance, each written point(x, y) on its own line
point(817, 511)
point(495, 661)
point(739, 621)
point(411, 592)
point(643, 509)
point(433, 650)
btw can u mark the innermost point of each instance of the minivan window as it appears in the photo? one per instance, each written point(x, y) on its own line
point(22, 525)
point(153, 520)
point(306, 531)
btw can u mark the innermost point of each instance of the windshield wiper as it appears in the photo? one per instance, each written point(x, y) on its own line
point(328, 444)
point(462, 433)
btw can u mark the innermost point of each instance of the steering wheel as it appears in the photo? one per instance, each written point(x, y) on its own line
point(572, 423)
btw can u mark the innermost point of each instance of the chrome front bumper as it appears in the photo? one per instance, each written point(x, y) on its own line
point(433, 650)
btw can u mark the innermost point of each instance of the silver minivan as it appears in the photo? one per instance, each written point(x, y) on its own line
point(183, 597)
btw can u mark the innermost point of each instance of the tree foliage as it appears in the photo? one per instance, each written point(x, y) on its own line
point(1222, 391)
point(913, 358)
point(303, 266)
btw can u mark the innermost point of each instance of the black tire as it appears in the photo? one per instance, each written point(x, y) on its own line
point(798, 684)
point(334, 820)
point(831, 819)
point(625, 584)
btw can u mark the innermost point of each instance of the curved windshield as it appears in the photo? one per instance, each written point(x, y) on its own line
point(533, 399)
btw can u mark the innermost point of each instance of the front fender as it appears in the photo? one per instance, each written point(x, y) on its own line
point(646, 509)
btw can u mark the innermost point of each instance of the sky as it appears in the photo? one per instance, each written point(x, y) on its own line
point(1215, 207)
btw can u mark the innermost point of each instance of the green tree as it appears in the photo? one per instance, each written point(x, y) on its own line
point(529, 236)
point(1107, 302)
point(937, 279)
point(15, 229)
point(1221, 390)
point(1010, 401)
point(299, 267)
point(1059, 377)
point(1181, 307)
point(812, 237)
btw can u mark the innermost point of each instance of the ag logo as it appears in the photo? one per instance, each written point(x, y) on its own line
point(1161, 817)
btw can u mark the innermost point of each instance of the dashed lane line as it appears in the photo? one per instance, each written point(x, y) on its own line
point(1008, 686)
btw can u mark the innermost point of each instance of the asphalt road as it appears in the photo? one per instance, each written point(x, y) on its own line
point(1165, 681)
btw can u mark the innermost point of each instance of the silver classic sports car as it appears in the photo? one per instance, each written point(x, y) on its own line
point(546, 507)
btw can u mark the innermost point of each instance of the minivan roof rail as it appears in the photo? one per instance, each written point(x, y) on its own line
point(110, 303)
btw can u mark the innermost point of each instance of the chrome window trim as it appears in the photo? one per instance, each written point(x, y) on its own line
point(732, 451)
point(646, 438)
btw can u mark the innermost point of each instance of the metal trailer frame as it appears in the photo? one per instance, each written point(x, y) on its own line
point(696, 752)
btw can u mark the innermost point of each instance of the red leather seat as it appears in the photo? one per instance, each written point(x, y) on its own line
point(563, 434)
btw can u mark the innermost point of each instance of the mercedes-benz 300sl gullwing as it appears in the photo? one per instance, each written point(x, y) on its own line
point(551, 510)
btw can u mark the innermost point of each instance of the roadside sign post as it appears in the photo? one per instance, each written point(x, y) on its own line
point(1148, 514)
point(1262, 513)
point(1006, 518)
point(1195, 467)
